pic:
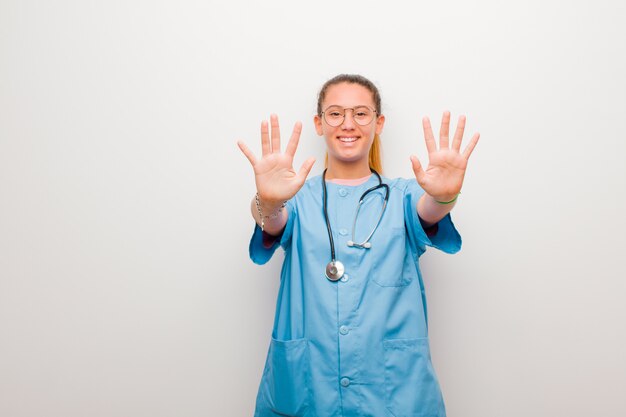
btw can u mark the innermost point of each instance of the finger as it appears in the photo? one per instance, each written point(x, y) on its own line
point(292, 145)
point(470, 146)
point(275, 134)
point(429, 138)
point(444, 132)
point(265, 139)
point(458, 135)
point(417, 169)
point(305, 169)
point(247, 152)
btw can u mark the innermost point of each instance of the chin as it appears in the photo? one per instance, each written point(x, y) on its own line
point(348, 159)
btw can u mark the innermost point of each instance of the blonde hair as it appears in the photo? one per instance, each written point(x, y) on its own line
point(375, 158)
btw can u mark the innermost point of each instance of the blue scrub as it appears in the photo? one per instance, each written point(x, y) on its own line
point(359, 346)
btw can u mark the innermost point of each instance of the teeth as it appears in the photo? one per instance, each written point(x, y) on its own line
point(347, 139)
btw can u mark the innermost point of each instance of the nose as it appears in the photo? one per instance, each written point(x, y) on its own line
point(348, 120)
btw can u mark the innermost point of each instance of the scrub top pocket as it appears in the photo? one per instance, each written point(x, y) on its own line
point(387, 271)
point(286, 377)
point(411, 386)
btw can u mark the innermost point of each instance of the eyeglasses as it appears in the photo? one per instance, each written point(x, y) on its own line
point(335, 115)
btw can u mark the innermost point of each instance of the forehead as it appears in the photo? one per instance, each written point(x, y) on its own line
point(348, 95)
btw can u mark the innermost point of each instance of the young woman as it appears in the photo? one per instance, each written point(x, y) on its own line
point(350, 335)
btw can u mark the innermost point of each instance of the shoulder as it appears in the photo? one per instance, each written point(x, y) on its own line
point(312, 188)
point(403, 185)
point(312, 185)
point(315, 181)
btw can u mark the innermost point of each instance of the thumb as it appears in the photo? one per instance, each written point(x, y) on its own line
point(247, 152)
point(305, 169)
point(417, 169)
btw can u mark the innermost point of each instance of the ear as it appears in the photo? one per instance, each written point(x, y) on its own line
point(380, 122)
point(318, 125)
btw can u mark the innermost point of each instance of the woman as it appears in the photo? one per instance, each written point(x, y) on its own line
point(350, 334)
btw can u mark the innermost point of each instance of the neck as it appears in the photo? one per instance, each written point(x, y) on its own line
point(347, 171)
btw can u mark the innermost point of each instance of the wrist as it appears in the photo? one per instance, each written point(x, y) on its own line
point(445, 199)
point(268, 205)
point(267, 198)
point(269, 211)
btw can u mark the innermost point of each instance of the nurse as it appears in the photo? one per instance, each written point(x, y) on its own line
point(350, 335)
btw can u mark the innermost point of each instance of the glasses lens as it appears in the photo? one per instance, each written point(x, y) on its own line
point(334, 115)
point(363, 115)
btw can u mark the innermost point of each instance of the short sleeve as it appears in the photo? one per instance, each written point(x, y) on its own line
point(447, 239)
point(260, 252)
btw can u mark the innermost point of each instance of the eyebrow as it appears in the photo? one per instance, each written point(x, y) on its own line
point(344, 107)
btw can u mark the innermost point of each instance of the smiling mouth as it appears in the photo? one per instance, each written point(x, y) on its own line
point(346, 139)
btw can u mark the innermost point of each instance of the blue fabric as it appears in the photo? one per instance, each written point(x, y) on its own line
point(357, 347)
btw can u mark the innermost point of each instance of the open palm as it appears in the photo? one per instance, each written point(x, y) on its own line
point(443, 178)
point(275, 178)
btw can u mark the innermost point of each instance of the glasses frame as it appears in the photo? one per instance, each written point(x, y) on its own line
point(343, 119)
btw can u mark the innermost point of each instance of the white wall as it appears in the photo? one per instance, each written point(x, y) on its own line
point(125, 286)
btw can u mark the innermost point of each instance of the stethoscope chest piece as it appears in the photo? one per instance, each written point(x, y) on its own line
point(334, 270)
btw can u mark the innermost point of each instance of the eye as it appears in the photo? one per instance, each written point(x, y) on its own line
point(334, 113)
point(362, 112)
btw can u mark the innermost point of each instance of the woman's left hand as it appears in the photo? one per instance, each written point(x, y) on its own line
point(443, 178)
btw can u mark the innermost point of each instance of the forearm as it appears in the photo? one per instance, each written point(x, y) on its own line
point(430, 211)
point(274, 217)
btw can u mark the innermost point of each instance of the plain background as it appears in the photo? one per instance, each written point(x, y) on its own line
point(125, 283)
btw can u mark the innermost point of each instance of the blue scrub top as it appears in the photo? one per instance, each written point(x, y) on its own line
point(359, 346)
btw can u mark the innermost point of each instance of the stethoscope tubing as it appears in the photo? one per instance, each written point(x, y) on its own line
point(335, 269)
point(325, 203)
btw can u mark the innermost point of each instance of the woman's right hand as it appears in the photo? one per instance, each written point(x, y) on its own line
point(276, 180)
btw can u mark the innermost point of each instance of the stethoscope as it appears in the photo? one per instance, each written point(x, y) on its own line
point(335, 269)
